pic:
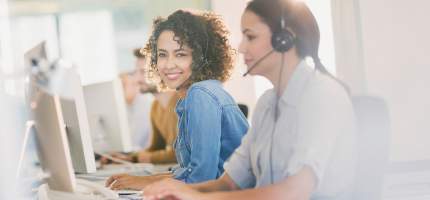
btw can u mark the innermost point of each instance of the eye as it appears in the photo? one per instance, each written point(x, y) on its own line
point(250, 37)
point(181, 54)
point(161, 55)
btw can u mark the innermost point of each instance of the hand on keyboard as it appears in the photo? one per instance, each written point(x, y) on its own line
point(125, 181)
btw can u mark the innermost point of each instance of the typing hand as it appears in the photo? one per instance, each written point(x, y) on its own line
point(171, 189)
point(125, 181)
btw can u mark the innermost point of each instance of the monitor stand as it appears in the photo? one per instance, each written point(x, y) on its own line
point(84, 190)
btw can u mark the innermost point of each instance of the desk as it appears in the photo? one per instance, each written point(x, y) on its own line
point(95, 182)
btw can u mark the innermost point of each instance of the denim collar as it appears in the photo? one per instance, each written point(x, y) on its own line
point(180, 106)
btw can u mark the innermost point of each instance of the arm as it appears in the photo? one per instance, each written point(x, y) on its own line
point(157, 142)
point(224, 183)
point(160, 150)
point(296, 187)
point(125, 181)
point(203, 128)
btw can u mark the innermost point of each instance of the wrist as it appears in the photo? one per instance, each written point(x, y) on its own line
point(144, 157)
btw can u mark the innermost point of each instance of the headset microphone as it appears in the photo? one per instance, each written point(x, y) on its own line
point(258, 62)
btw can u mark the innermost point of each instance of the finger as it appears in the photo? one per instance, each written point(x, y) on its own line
point(109, 181)
point(113, 178)
point(117, 185)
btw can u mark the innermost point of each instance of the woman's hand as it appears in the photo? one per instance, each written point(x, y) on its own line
point(171, 189)
point(125, 181)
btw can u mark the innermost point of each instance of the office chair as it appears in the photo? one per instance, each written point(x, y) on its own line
point(373, 140)
point(244, 109)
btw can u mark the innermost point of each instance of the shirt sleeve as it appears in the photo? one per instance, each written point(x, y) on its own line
point(322, 118)
point(203, 126)
point(160, 150)
point(157, 141)
point(239, 166)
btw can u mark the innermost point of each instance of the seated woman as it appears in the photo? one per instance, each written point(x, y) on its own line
point(191, 54)
point(302, 142)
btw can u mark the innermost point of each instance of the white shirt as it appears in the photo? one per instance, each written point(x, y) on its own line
point(315, 128)
point(139, 113)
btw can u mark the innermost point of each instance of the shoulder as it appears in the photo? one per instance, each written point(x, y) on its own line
point(208, 86)
point(209, 90)
point(324, 92)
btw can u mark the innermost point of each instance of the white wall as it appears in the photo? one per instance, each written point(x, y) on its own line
point(241, 88)
point(87, 40)
point(396, 66)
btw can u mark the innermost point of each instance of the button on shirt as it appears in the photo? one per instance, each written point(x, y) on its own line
point(315, 128)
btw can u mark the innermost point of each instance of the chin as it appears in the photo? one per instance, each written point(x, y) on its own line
point(172, 86)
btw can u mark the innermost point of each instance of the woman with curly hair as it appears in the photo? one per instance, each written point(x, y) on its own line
point(190, 53)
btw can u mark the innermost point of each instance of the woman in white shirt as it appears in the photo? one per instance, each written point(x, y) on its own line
point(301, 144)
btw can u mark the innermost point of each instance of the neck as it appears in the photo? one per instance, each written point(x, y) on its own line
point(182, 93)
point(279, 77)
point(163, 95)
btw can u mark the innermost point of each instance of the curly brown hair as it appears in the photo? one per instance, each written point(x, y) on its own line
point(206, 34)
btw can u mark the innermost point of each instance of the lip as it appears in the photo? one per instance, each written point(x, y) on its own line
point(173, 75)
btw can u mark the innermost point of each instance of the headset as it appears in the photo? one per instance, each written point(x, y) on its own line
point(282, 40)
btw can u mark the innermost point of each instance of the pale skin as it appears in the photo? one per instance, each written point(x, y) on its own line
point(174, 67)
point(254, 45)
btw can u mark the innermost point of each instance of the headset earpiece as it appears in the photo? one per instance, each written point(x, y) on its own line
point(282, 40)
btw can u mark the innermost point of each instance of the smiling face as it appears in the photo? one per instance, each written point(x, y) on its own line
point(256, 43)
point(173, 60)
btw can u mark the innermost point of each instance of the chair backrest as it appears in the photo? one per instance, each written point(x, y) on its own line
point(244, 109)
point(373, 143)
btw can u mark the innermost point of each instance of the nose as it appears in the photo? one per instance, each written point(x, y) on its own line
point(242, 46)
point(170, 64)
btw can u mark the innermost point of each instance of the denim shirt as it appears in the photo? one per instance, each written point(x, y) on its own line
point(211, 127)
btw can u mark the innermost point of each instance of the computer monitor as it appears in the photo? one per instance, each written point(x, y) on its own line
point(51, 139)
point(107, 114)
point(35, 54)
point(78, 129)
point(54, 154)
point(74, 110)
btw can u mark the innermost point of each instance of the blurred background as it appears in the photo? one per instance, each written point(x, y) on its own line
point(378, 47)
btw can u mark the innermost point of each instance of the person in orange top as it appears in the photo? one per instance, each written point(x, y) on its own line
point(163, 121)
